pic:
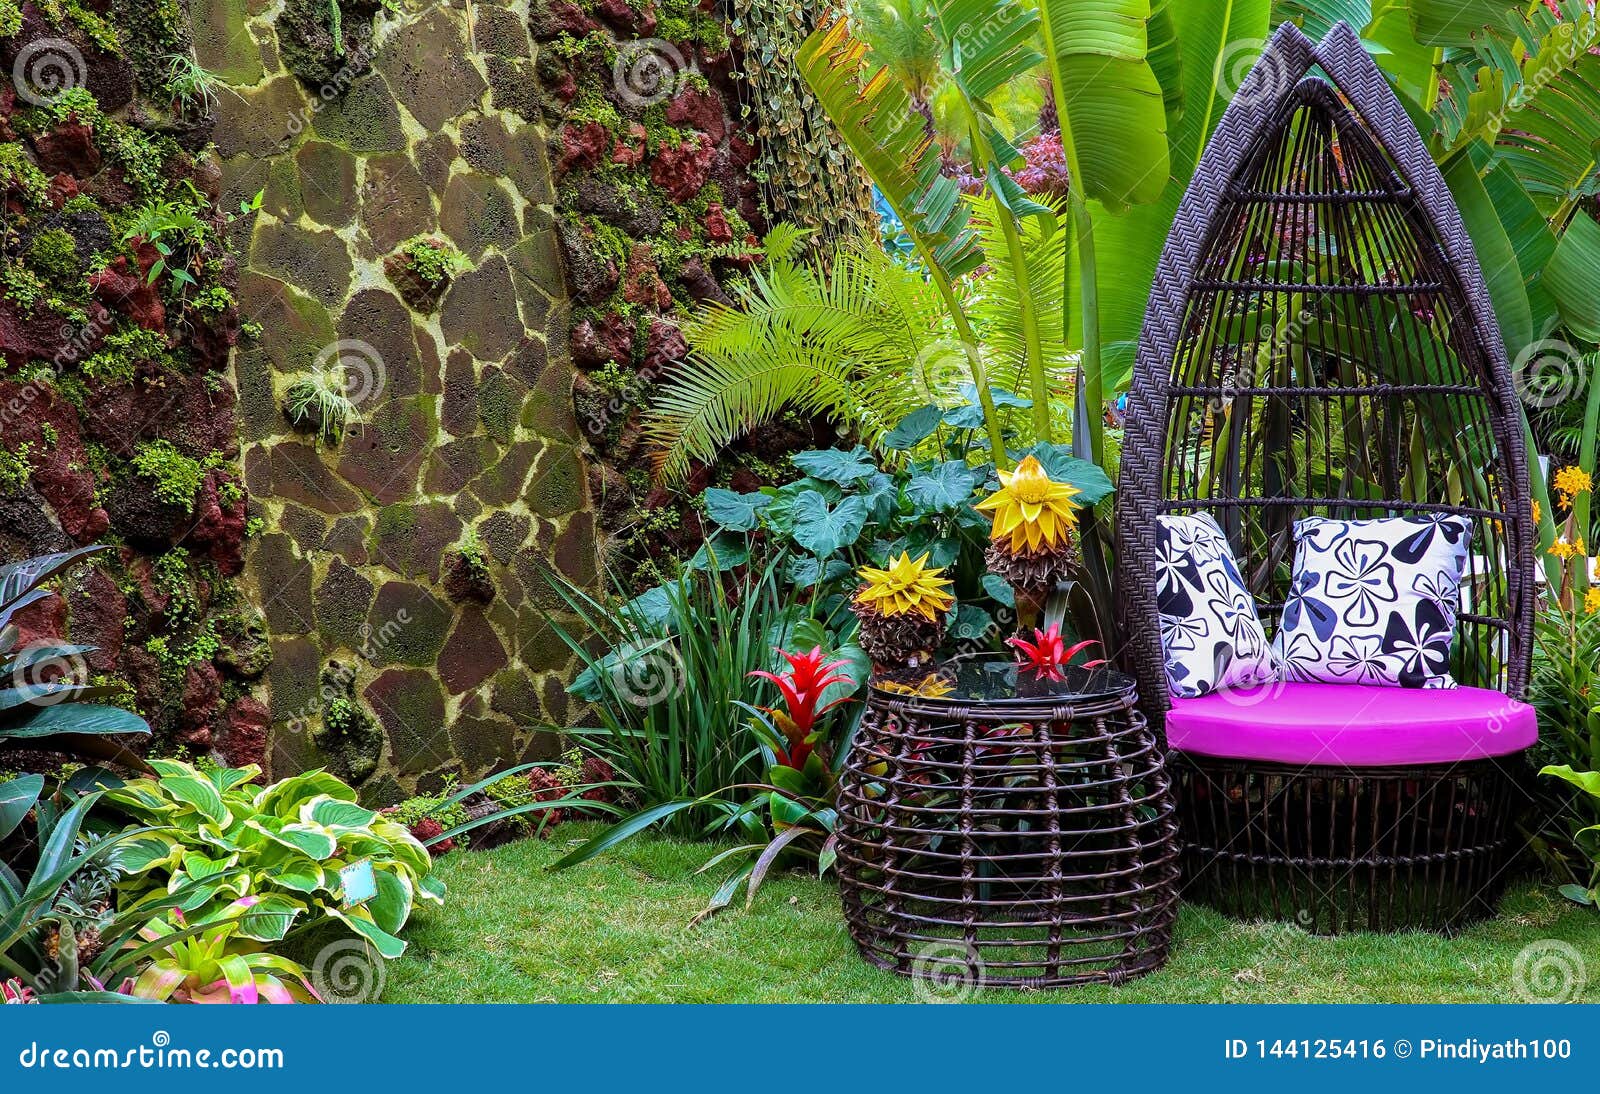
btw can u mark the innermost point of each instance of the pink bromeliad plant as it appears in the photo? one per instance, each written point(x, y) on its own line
point(1048, 654)
point(208, 964)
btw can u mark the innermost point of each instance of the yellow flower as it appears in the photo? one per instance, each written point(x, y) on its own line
point(1538, 512)
point(1591, 601)
point(906, 586)
point(1570, 482)
point(1563, 550)
point(1036, 512)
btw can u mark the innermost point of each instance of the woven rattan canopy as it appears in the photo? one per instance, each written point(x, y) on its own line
point(1319, 340)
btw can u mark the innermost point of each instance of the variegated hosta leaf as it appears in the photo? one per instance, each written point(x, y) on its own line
point(335, 815)
point(283, 799)
point(200, 795)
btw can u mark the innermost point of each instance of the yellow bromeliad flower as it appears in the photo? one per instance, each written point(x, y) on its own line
point(1591, 601)
point(1030, 508)
point(931, 686)
point(908, 585)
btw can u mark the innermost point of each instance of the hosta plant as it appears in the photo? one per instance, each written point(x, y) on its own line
point(222, 838)
point(219, 965)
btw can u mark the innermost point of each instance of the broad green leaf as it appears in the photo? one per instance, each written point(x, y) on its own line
point(283, 799)
point(1109, 102)
point(199, 794)
point(913, 429)
point(269, 918)
point(89, 718)
point(734, 511)
point(835, 464)
point(1092, 483)
point(823, 529)
point(392, 906)
point(16, 798)
point(1458, 22)
point(1495, 252)
point(335, 815)
point(1317, 17)
point(1573, 277)
point(226, 778)
point(1587, 781)
point(945, 486)
point(147, 853)
point(999, 588)
point(310, 841)
point(1217, 39)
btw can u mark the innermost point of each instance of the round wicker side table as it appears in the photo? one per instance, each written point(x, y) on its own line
point(1007, 832)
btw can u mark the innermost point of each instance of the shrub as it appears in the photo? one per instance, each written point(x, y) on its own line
point(222, 838)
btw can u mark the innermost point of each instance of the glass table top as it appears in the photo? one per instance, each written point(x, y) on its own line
point(998, 680)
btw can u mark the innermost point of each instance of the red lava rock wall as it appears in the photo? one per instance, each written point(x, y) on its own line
point(117, 404)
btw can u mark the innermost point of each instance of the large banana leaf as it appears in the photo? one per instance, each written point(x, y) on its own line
point(1317, 17)
point(1552, 140)
point(1112, 113)
point(875, 118)
point(1495, 252)
point(1407, 62)
point(1457, 22)
point(1573, 277)
point(1210, 34)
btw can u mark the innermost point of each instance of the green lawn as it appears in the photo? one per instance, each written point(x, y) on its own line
point(616, 930)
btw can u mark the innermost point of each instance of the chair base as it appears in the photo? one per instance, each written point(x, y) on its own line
point(1337, 849)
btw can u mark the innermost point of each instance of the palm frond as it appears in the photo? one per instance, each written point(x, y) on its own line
point(843, 341)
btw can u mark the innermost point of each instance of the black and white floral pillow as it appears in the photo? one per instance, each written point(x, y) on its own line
point(1374, 601)
point(1210, 634)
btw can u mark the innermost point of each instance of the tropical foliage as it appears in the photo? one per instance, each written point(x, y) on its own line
point(42, 697)
point(213, 837)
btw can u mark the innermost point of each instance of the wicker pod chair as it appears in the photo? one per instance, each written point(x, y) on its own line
point(1319, 341)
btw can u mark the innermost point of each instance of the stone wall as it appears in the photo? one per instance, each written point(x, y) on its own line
point(398, 569)
point(117, 409)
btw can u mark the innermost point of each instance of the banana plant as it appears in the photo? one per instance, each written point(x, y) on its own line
point(875, 118)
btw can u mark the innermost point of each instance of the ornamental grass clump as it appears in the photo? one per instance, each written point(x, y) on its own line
point(901, 611)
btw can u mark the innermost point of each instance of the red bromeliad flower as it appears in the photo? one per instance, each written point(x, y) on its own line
point(802, 687)
point(1047, 654)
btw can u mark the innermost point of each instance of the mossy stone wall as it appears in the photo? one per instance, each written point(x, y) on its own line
point(399, 570)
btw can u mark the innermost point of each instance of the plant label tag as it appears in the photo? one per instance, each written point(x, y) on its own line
point(358, 883)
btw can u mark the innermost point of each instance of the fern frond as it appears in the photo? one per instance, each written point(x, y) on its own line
point(996, 307)
point(847, 341)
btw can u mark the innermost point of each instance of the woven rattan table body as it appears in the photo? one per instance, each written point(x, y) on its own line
point(1010, 833)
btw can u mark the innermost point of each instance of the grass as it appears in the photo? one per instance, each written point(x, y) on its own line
point(616, 930)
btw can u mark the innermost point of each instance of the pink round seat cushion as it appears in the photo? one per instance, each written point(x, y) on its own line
point(1351, 725)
